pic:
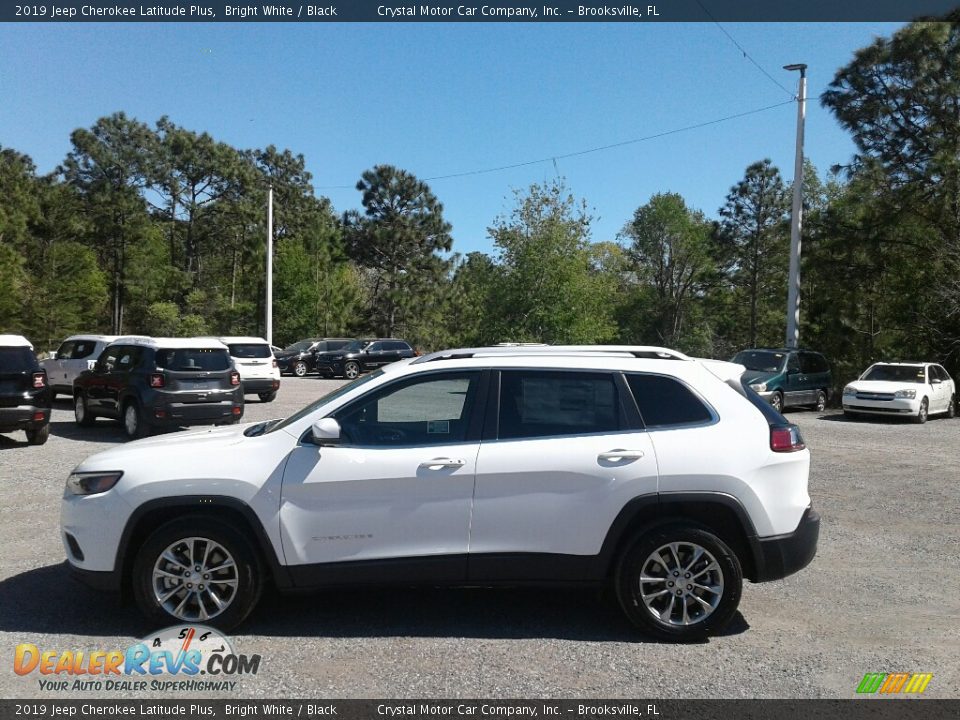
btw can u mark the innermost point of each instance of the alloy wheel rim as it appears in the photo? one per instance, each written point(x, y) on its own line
point(130, 420)
point(300, 369)
point(195, 579)
point(79, 409)
point(681, 584)
point(351, 371)
point(821, 402)
point(923, 409)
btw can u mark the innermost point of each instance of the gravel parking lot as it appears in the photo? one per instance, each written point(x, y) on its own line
point(881, 595)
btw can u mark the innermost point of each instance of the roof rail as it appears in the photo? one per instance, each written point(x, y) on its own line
point(646, 352)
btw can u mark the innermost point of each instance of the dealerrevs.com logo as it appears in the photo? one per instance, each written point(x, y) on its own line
point(182, 658)
point(894, 683)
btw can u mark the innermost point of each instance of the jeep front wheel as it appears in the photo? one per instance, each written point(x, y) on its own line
point(197, 569)
point(679, 583)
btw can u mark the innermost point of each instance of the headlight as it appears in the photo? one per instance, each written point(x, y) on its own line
point(849, 390)
point(759, 387)
point(908, 394)
point(92, 483)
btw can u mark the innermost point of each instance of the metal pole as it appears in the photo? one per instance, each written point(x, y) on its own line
point(269, 303)
point(796, 219)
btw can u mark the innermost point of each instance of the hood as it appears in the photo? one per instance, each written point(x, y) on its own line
point(284, 354)
point(884, 386)
point(751, 377)
point(154, 450)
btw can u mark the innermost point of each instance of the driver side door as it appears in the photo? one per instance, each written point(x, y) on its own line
point(391, 500)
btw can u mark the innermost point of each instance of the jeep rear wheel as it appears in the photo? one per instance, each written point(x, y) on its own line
point(300, 368)
point(133, 423)
point(679, 583)
point(268, 396)
point(197, 569)
point(38, 436)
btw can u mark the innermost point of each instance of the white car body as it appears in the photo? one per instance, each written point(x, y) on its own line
point(930, 383)
point(260, 374)
point(321, 508)
point(75, 354)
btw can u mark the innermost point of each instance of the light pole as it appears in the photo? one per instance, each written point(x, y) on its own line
point(796, 218)
point(269, 299)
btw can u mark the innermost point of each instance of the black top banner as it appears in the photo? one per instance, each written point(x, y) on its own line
point(465, 11)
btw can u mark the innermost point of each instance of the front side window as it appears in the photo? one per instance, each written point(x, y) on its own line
point(547, 404)
point(944, 375)
point(665, 402)
point(375, 347)
point(187, 359)
point(83, 349)
point(434, 410)
point(108, 359)
point(66, 351)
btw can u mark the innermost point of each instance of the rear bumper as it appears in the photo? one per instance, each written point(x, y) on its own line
point(176, 414)
point(260, 385)
point(23, 417)
point(784, 555)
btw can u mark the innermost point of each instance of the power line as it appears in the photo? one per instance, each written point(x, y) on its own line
point(578, 153)
point(745, 53)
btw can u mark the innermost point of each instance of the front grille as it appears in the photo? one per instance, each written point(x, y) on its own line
point(874, 396)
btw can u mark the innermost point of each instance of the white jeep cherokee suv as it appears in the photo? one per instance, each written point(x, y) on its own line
point(638, 467)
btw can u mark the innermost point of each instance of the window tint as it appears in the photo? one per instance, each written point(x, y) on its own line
point(793, 364)
point(108, 358)
point(83, 349)
point(128, 358)
point(193, 359)
point(813, 363)
point(431, 411)
point(65, 352)
point(375, 347)
point(249, 350)
point(664, 401)
point(545, 404)
point(944, 375)
point(17, 359)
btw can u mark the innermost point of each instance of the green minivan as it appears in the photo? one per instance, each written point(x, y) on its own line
point(787, 377)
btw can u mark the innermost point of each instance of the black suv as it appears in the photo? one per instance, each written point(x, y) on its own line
point(300, 358)
point(362, 355)
point(150, 383)
point(24, 391)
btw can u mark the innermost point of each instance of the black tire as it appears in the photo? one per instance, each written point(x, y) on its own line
point(38, 436)
point(248, 572)
point(268, 396)
point(133, 421)
point(821, 403)
point(923, 413)
point(81, 412)
point(351, 370)
point(300, 368)
point(776, 401)
point(952, 407)
point(639, 553)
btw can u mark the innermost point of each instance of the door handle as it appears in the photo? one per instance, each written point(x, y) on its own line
point(614, 455)
point(438, 463)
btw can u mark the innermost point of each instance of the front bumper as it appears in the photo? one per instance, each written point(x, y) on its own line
point(897, 406)
point(782, 555)
point(23, 417)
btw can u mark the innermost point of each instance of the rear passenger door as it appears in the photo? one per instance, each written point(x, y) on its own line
point(562, 454)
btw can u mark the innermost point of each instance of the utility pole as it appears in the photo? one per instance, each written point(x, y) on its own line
point(796, 219)
point(269, 302)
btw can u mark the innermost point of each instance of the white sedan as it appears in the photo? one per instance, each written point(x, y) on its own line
point(915, 390)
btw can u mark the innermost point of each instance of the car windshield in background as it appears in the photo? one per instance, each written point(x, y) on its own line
point(316, 404)
point(249, 350)
point(896, 373)
point(193, 359)
point(17, 359)
point(760, 361)
point(299, 346)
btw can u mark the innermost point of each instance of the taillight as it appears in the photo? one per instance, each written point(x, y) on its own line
point(234, 378)
point(157, 380)
point(39, 379)
point(786, 438)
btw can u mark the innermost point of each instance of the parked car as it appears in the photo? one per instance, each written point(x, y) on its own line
point(637, 468)
point(300, 358)
point(24, 390)
point(914, 390)
point(253, 359)
point(787, 378)
point(75, 354)
point(149, 383)
point(362, 356)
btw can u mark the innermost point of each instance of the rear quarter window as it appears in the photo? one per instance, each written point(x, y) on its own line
point(666, 402)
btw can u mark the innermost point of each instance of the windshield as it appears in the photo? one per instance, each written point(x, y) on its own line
point(193, 359)
point(299, 346)
point(760, 360)
point(250, 350)
point(896, 373)
point(329, 397)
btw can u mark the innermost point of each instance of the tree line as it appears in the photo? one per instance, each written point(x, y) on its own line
point(161, 230)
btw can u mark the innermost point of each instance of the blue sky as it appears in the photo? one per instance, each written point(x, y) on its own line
point(437, 99)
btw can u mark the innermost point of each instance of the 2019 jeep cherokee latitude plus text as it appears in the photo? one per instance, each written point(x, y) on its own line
point(638, 467)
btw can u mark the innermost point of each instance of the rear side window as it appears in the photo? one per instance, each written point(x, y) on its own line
point(17, 359)
point(666, 402)
point(249, 350)
point(813, 363)
point(547, 404)
point(193, 359)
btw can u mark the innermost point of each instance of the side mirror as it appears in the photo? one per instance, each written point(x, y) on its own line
point(935, 381)
point(52, 355)
point(326, 431)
